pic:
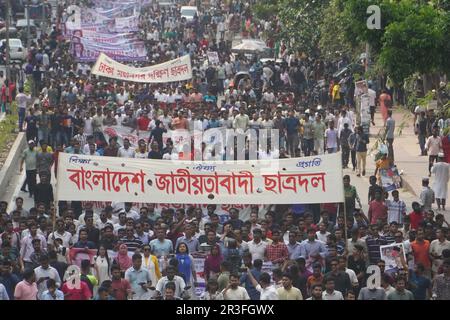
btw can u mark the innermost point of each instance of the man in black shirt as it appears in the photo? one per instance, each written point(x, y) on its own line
point(43, 192)
point(373, 188)
point(155, 153)
point(341, 278)
point(421, 130)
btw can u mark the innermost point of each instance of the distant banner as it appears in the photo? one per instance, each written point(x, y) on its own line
point(282, 181)
point(87, 50)
point(213, 57)
point(102, 38)
point(171, 71)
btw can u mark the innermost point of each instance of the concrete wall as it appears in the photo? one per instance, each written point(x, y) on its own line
point(11, 165)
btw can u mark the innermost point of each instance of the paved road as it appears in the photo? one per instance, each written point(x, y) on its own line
point(406, 154)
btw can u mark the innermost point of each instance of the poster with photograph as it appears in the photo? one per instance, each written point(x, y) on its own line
point(390, 179)
point(392, 254)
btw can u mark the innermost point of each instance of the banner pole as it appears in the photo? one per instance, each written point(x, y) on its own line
point(56, 200)
point(345, 211)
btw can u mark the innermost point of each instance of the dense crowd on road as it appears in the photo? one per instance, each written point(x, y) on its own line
point(147, 251)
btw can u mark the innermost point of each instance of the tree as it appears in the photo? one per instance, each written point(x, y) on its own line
point(301, 20)
point(332, 32)
point(413, 44)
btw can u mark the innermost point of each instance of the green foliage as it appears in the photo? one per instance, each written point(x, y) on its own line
point(265, 9)
point(301, 20)
point(332, 34)
point(412, 45)
point(7, 128)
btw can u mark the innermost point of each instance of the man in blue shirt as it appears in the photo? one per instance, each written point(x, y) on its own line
point(292, 125)
point(8, 279)
point(246, 280)
point(419, 285)
point(139, 278)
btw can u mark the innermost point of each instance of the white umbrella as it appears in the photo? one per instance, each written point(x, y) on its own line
point(250, 45)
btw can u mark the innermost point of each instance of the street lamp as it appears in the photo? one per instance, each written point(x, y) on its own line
point(27, 7)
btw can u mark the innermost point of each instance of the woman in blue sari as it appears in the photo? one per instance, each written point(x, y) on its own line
point(186, 268)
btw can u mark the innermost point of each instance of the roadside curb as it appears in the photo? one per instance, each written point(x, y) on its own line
point(10, 167)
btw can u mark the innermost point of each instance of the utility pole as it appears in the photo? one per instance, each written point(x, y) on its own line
point(7, 20)
point(28, 25)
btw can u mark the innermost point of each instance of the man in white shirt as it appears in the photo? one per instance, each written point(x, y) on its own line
point(322, 234)
point(257, 247)
point(60, 233)
point(126, 151)
point(130, 213)
point(330, 293)
point(233, 291)
point(43, 273)
point(22, 100)
point(267, 291)
point(343, 119)
point(171, 277)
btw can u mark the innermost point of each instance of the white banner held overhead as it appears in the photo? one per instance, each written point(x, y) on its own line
point(171, 71)
point(284, 181)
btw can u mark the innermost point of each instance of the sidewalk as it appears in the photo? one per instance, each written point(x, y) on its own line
point(407, 158)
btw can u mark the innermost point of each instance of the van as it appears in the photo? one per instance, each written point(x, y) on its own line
point(188, 12)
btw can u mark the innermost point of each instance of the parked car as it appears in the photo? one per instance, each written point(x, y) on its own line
point(23, 24)
point(16, 49)
point(188, 12)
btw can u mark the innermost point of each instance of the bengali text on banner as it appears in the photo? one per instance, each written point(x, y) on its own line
point(171, 71)
point(278, 181)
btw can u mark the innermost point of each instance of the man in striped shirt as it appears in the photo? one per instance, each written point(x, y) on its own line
point(396, 208)
point(131, 240)
point(374, 241)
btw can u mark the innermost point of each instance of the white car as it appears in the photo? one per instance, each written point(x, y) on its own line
point(16, 49)
point(188, 12)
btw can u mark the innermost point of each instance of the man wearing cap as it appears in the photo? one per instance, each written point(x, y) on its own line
point(427, 194)
point(29, 156)
point(434, 147)
point(440, 183)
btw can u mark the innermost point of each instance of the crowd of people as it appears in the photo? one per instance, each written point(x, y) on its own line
point(143, 251)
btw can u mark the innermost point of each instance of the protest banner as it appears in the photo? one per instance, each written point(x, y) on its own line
point(393, 256)
point(76, 255)
point(199, 263)
point(276, 181)
point(84, 49)
point(174, 70)
point(213, 57)
point(101, 38)
point(390, 179)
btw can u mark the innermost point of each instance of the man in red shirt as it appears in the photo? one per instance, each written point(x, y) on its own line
point(277, 252)
point(143, 122)
point(420, 248)
point(416, 217)
point(73, 293)
point(377, 209)
point(121, 287)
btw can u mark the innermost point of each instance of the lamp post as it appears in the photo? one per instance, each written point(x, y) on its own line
point(27, 7)
point(7, 19)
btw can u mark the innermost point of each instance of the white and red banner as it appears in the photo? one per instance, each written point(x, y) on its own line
point(171, 71)
point(277, 181)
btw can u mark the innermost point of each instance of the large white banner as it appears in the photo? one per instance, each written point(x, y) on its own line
point(171, 71)
point(277, 181)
